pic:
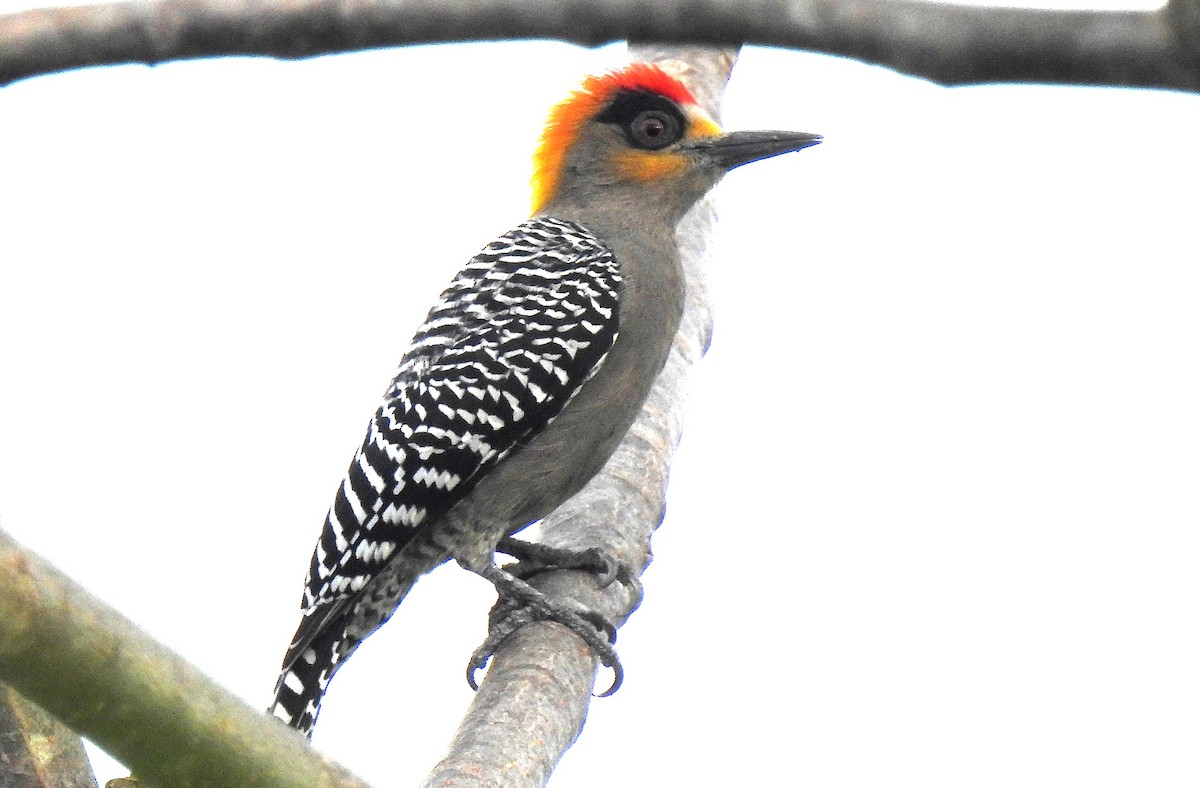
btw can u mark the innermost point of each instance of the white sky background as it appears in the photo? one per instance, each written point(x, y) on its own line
point(934, 520)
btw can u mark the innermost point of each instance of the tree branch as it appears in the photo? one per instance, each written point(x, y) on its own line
point(949, 44)
point(93, 669)
point(38, 751)
point(532, 704)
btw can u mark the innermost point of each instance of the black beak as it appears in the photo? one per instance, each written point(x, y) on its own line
point(742, 147)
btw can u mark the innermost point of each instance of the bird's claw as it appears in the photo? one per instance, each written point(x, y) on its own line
point(520, 604)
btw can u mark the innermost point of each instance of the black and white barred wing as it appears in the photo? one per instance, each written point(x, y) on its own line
point(516, 334)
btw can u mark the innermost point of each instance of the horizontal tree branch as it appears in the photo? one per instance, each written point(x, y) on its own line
point(93, 669)
point(949, 44)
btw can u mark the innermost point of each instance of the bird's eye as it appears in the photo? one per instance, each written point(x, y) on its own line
point(654, 129)
point(648, 121)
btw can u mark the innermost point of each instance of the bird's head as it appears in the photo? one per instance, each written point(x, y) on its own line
point(639, 134)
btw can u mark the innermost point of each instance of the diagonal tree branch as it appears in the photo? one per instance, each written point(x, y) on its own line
point(946, 43)
point(532, 704)
point(93, 669)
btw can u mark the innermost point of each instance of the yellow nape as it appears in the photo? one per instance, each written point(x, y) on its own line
point(566, 121)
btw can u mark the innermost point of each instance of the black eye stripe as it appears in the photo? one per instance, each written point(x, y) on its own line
point(628, 105)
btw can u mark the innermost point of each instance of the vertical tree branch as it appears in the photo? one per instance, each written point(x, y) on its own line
point(532, 704)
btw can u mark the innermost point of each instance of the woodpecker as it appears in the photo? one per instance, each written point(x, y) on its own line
point(527, 372)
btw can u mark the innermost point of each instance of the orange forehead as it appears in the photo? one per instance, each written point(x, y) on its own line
point(569, 117)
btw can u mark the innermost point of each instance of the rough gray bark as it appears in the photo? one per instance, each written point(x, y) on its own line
point(945, 43)
point(36, 750)
point(532, 704)
point(93, 669)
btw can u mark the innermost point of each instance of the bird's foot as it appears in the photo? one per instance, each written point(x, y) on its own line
point(521, 603)
point(533, 557)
